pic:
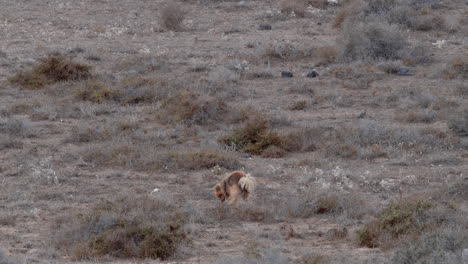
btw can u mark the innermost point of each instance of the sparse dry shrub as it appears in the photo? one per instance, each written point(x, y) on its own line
point(255, 254)
point(10, 143)
point(400, 219)
point(442, 246)
point(128, 227)
point(417, 116)
point(198, 159)
point(253, 137)
point(172, 16)
point(273, 152)
point(298, 105)
point(325, 55)
point(374, 40)
point(296, 7)
point(186, 106)
point(312, 258)
point(51, 70)
point(457, 68)
point(145, 156)
point(391, 66)
point(86, 135)
point(18, 126)
point(96, 91)
point(286, 51)
point(458, 122)
point(413, 14)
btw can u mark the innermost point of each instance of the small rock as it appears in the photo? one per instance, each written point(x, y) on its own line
point(312, 74)
point(264, 26)
point(405, 72)
point(362, 115)
point(286, 74)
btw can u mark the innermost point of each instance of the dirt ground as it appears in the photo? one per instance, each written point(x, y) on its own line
point(47, 175)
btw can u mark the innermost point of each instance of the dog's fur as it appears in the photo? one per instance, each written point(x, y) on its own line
point(234, 184)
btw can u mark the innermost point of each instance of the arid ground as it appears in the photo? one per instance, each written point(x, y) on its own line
point(118, 117)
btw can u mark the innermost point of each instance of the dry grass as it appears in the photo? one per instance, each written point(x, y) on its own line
point(192, 108)
point(97, 91)
point(51, 70)
point(254, 137)
point(371, 41)
point(296, 7)
point(457, 68)
point(129, 227)
point(458, 122)
point(409, 218)
point(172, 16)
point(325, 55)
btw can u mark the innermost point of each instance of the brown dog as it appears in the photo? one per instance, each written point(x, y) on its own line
point(234, 184)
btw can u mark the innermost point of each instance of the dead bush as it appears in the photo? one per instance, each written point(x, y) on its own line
point(197, 159)
point(417, 116)
point(128, 227)
point(192, 108)
point(457, 68)
point(371, 41)
point(442, 246)
point(325, 55)
point(18, 126)
point(86, 135)
point(298, 105)
point(10, 143)
point(273, 152)
point(296, 7)
point(172, 16)
point(458, 122)
point(413, 14)
point(254, 137)
point(144, 156)
point(408, 219)
point(97, 91)
point(51, 70)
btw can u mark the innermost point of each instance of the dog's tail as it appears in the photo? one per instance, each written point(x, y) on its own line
point(247, 183)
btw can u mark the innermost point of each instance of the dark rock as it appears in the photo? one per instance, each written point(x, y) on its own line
point(362, 115)
point(264, 26)
point(405, 72)
point(286, 74)
point(312, 74)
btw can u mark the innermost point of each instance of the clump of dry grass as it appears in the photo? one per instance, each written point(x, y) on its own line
point(408, 219)
point(457, 68)
point(51, 70)
point(374, 40)
point(413, 14)
point(97, 91)
point(296, 7)
point(172, 16)
point(325, 55)
point(458, 122)
point(192, 108)
point(402, 218)
point(145, 156)
point(128, 227)
point(253, 137)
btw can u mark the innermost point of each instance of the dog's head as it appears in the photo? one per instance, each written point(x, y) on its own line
point(219, 192)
